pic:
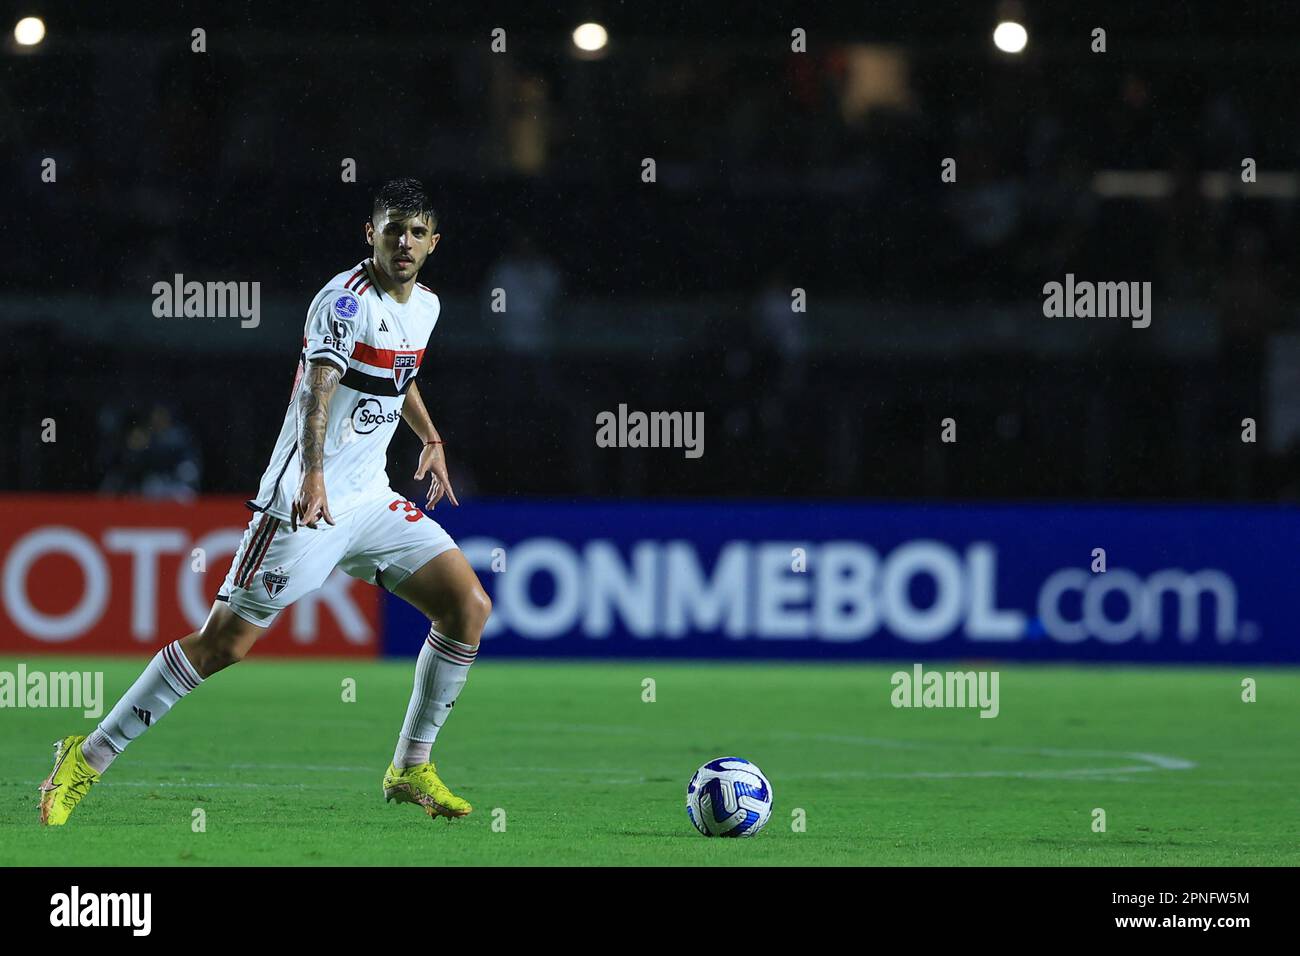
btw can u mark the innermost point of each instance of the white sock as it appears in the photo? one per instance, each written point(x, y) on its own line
point(168, 678)
point(440, 672)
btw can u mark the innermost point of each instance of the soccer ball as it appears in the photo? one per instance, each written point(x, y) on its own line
point(729, 797)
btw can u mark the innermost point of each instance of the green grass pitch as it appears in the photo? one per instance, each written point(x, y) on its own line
point(582, 771)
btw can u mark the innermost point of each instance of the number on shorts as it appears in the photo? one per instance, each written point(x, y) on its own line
point(413, 513)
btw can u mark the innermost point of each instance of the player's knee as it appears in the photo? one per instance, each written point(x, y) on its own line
point(220, 644)
point(215, 655)
point(467, 614)
point(227, 653)
point(480, 608)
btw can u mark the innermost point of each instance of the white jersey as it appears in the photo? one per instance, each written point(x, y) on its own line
point(379, 346)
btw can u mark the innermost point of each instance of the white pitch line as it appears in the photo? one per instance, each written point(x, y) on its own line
point(514, 784)
point(1150, 761)
point(169, 783)
point(293, 766)
point(960, 774)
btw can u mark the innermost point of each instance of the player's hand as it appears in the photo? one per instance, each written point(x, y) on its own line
point(434, 464)
point(310, 503)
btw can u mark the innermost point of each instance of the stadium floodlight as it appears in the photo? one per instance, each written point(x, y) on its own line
point(590, 37)
point(29, 31)
point(1010, 37)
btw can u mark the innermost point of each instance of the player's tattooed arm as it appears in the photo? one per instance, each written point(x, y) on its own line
point(313, 408)
point(318, 387)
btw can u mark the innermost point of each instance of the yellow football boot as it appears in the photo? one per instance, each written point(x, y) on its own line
point(67, 782)
point(420, 784)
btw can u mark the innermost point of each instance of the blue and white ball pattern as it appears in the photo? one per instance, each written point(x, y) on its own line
point(729, 797)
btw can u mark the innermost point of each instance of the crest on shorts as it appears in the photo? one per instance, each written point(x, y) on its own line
point(274, 582)
point(403, 368)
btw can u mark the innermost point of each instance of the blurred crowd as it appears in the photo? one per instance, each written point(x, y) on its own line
point(827, 161)
point(772, 170)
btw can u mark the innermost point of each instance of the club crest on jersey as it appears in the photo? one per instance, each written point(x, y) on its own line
point(403, 368)
point(274, 582)
point(345, 306)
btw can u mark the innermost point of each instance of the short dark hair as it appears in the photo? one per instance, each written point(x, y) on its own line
point(406, 196)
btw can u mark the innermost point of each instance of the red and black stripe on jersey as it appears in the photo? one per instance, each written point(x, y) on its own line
point(360, 282)
point(373, 384)
point(378, 358)
point(359, 380)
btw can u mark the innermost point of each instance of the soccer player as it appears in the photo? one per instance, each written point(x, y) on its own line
point(324, 502)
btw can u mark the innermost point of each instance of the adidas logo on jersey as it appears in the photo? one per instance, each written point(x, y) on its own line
point(383, 326)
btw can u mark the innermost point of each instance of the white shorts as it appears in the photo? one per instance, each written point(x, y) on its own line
point(383, 541)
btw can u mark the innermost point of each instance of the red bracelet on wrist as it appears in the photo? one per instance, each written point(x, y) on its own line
point(436, 441)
